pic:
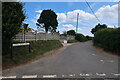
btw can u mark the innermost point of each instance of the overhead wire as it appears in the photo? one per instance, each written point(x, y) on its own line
point(93, 11)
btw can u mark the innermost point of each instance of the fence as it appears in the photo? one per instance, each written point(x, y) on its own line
point(29, 36)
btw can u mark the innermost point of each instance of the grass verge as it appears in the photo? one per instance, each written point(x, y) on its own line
point(22, 55)
point(72, 41)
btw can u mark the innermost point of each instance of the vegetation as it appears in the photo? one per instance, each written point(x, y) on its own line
point(98, 27)
point(48, 20)
point(22, 55)
point(109, 39)
point(71, 32)
point(11, 23)
point(89, 37)
point(80, 37)
point(72, 41)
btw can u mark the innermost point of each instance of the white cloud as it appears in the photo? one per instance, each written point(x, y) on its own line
point(39, 11)
point(67, 27)
point(72, 16)
point(61, 17)
point(108, 14)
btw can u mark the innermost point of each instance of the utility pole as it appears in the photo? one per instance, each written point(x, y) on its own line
point(77, 22)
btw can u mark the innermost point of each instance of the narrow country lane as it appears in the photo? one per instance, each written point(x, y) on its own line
point(78, 60)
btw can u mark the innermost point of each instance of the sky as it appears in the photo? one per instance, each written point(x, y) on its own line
point(107, 13)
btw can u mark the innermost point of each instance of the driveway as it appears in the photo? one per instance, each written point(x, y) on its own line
point(77, 60)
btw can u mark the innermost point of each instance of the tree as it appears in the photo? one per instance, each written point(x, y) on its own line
point(80, 37)
point(12, 17)
point(48, 20)
point(71, 32)
point(98, 27)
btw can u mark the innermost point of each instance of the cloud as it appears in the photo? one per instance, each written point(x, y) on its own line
point(39, 11)
point(108, 14)
point(61, 17)
point(67, 27)
point(72, 16)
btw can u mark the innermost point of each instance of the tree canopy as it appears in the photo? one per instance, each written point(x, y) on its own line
point(98, 27)
point(48, 20)
point(12, 17)
point(71, 32)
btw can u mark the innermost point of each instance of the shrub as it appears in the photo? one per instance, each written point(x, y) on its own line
point(109, 39)
point(71, 32)
point(89, 37)
point(80, 37)
point(72, 41)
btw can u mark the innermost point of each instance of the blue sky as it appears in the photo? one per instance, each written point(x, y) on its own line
point(67, 14)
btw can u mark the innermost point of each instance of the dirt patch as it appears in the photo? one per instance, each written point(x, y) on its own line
point(102, 51)
point(75, 43)
point(50, 53)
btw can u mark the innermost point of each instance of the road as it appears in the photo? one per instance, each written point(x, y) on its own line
point(78, 60)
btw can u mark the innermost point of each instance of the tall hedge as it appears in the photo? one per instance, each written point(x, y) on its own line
point(109, 39)
point(13, 15)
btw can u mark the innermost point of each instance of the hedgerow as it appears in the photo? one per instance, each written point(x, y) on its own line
point(80, 37)
point(109, 39)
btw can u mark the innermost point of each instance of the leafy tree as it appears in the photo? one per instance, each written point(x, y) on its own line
point(98, 27)
point(71, 32)
point(80, 37)
point(48, 20)
point(12, 17)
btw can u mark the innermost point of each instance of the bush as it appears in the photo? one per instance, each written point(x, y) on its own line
point(89, 37)
point(71, 32)
point(72, 41)
point(80, 37)
point(109, 39)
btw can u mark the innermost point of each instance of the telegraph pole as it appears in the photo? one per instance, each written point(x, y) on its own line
point(77, 22)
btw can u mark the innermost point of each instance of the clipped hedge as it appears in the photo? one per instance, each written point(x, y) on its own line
point(109, 39)
point(80, 37)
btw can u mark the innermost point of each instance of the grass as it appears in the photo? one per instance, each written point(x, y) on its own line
point(72, 41)
point(22, 55)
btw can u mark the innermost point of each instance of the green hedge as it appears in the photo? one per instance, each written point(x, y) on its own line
point(80, 37)
point(109, 39)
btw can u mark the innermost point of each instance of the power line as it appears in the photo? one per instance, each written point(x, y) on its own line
point(92, 11)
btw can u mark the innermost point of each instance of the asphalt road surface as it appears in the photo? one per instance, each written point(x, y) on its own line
point(76, 61)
